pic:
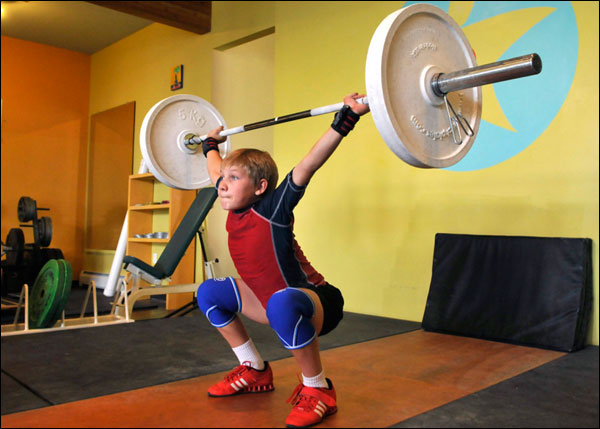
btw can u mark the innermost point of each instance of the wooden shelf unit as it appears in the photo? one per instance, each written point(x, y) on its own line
point(141, 221)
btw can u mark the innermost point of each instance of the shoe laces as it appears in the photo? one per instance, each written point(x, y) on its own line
point(238, 371)
point(302, 401)
point(296, 394)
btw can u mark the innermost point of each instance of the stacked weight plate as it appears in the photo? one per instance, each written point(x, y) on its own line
point(50, 293)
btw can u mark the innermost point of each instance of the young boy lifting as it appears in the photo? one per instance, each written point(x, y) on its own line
point(277, 284)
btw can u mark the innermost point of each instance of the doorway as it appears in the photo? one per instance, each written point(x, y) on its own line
point(110, 164)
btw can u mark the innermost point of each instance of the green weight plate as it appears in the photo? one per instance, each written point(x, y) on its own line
point(66, 280)
point(66, 285)
point(42, 299)
point(58, 298)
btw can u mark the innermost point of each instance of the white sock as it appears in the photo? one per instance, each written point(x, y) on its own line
point(318, 381)
point(247, 353)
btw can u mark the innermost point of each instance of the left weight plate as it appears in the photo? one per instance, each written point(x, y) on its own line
point(164, 128)
point(45, 295)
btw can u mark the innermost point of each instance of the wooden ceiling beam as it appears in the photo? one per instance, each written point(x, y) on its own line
point(193, 16)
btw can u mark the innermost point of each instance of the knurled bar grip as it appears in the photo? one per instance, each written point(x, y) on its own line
point(278, 120)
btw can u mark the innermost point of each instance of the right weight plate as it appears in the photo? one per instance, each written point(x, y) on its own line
point(407, 49)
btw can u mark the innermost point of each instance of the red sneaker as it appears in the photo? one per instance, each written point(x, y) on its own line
point(244, 379)
point(311, 405)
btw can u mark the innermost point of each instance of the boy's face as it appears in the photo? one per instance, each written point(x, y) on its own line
point(237, 190)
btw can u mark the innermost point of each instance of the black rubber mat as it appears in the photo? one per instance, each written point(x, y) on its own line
point(85, 363)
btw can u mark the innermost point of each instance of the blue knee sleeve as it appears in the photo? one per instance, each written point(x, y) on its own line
point(219, 300)
point(290, 312)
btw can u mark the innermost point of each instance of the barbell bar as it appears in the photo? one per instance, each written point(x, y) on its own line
point(441, 84)
point(192, 141)
point(422, 84)
point(500, 71)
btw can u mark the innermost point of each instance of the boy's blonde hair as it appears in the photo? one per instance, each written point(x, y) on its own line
point(258, 164)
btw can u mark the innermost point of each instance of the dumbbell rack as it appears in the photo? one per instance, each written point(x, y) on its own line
point(42, 228)
point(24, 261)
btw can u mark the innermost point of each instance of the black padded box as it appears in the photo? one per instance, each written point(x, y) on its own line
point(533, 291)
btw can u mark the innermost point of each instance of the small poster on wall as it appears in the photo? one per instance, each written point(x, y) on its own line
point(177, 77)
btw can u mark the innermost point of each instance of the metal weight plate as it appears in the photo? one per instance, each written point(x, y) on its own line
point(163, 131)
point(66, 278)
point(42, 298)
point(407, 49)
point(26, 209)
point(45, 231)
point(15, 243)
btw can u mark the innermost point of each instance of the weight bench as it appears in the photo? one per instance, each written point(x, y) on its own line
point(170, 257)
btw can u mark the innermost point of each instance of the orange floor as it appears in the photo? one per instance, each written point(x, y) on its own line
point(379, 383)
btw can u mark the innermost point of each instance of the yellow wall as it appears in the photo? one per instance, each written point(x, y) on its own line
point(138, 68)
point(235, 95)
point(45, 96)
point(368, 220)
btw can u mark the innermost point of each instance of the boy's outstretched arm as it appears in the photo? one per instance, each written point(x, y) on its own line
point(325, 146)
point(211, 151)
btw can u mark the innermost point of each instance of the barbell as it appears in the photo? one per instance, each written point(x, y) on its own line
point(423, 90)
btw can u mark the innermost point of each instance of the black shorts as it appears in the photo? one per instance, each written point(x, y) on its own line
point(333, 306)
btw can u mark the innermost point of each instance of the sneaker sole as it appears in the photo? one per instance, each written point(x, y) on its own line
point(330, 411)
point(257, 389)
